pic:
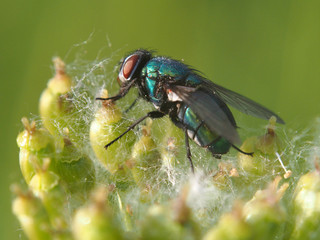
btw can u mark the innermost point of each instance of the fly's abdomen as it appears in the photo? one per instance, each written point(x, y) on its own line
point(200, 133)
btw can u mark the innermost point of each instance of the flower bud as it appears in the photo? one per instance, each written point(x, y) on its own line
point(35, 145)
point(223, 178)
point(145, 162)
point(31, 214)
point(54, 104)
point(230, 226)
point(107, 125)
point(76, 171)
point(265, 153)
point(171, 141)
point(306, 203)
point(158, 224)
point(46, 185)
point(264, 213)
point(96, 220)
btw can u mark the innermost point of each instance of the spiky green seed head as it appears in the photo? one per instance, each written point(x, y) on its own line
point(76, 170)
point(264, 213)
point(158, 224)
point(32, 215)
point(35, 145)
point(223, 178)
point(107, 125)
point(231, 226)
point(264, 149)
point(145, 162)
point(46, 185)
point(96, 220)
point(54, 105)
point(306, 202)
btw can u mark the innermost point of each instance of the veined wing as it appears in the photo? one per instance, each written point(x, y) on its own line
point(208, 110)
point(240, 102)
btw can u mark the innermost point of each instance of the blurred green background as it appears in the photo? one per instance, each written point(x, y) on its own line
point(266, 50)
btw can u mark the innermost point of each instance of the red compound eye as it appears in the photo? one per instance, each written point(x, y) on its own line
point(129, 65)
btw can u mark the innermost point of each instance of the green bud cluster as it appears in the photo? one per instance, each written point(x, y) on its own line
point(105, 127)
point(264, 148)
point(145, 162)
point(261, 217)
point(141, 186)
point(32, 215)
point(306, 204)
point(95, 220)
point(35, 145)
point(53, 104)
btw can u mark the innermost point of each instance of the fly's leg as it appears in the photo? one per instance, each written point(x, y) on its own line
point(123, 91)
point(239, 150)
point(153, 115)
point(114, 98)
point(132, 104)
point(186, 137)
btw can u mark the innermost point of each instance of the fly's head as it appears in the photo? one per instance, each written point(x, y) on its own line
point(131, 67)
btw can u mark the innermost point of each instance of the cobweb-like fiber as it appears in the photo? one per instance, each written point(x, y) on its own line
point(207, 200)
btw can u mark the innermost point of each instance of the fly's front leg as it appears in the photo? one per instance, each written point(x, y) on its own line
point(123, 91)
point(153, 115)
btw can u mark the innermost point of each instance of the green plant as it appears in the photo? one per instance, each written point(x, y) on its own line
point(142, 186)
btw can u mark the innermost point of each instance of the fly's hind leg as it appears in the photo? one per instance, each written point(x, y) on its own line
point(239, 150)
point(188, 148)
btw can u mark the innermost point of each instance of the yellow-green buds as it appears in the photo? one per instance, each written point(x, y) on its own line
point(159, 224)
point(96, 220)
point(231, 226)
point(172, 143)
point(306, 203)
point(46, 185)
point(260, 218)
point(145, 163)
point(32, 216)
point(35, 145)
point(222, 179)
point(76, 170)
point(53, 105)
point(106, 126)
point(264, 213)
point(64, 161)
point(265, 153)
point(171, 221)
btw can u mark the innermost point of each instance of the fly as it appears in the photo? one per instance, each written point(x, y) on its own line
point(193, 103)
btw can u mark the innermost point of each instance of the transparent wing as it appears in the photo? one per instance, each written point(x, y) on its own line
point(209, 111)
point(240, 102)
